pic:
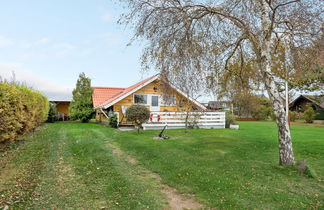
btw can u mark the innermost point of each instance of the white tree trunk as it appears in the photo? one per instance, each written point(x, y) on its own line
point(286, 155)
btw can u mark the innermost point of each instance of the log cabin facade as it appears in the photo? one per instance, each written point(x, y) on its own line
point(109, 100)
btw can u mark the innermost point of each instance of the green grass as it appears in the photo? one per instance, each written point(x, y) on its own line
point(72, 165)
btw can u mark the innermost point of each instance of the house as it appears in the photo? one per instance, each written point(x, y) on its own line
point(302, 101)
point(316, 101)
point(219, 105)
point(62, 108)
point(108, 100)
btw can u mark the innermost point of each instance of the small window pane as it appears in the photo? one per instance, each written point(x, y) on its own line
point(155, 101)
point(140, 99)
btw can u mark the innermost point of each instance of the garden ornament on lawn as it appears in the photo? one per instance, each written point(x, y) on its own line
point(161, 135)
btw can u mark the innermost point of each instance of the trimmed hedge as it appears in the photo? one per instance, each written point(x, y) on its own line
point(21, 111)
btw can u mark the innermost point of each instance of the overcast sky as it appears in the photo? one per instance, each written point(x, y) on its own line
point(47, 43)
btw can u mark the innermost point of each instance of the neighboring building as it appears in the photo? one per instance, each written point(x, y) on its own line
point(62, 109)
point(108, 100)
point(219, 105)
point(302, 101)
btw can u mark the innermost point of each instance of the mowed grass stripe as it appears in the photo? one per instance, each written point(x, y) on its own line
point(69, 166)
point(59, 186)
point(107, 175)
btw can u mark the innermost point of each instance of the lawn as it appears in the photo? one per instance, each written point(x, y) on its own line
point(73, 165)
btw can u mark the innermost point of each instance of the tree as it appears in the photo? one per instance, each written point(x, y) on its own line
point(207, 36)
point(138, 114)
point(81, 105)
point(52, 113)
point(186, 81)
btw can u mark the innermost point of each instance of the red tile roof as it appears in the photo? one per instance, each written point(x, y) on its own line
point(104, 95)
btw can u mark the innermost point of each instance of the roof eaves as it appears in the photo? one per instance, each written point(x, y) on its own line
point(107, 103)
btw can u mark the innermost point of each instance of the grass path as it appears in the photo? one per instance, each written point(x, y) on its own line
point(70, 167)
point(64, 167)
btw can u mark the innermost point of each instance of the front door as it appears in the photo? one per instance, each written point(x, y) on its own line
point(155, 104)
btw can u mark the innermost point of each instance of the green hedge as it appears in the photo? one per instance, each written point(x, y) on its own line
point(319, 115)
point(21, 111)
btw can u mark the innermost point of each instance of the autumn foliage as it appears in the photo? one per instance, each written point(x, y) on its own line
point(21, 111)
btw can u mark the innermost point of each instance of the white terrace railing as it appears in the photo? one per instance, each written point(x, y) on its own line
point(175, 120)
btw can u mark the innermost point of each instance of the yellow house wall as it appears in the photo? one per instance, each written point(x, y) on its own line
point(63, 107)
point(148, 89)
point(100, 117)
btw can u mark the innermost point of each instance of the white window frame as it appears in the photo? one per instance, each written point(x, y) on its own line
point(139, 94)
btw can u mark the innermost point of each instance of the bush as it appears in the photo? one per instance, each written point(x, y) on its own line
point(52, 114)
point(21, 111)
point(113, 121)
point(262, 112)
point(229, 119)
point(309, 115)
point(138, 114)
point(293, 116)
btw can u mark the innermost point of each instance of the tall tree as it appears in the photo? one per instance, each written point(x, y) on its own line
point(81, 106)
point(207, 35)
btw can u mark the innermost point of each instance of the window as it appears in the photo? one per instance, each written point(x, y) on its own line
point(155, 101)
point(140, 99)
point(169, 100)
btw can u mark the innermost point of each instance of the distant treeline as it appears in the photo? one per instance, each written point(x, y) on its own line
point(21, 111)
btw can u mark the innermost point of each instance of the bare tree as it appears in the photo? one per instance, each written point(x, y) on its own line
point(185, 80)
point(205, 36)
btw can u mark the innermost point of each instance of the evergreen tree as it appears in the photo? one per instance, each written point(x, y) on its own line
point(81, 106)
point(52, 113)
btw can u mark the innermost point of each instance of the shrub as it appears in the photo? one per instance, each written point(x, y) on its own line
point(262, 112)
point(21, 111)
point(52, 114)
point(229, 119)
point(113, 121)
point(309, 115)
point(293, 116)
point(137, 114)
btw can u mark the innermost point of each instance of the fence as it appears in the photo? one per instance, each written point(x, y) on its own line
point(175, 120)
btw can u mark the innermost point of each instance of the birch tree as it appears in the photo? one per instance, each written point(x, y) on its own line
point(206, 36)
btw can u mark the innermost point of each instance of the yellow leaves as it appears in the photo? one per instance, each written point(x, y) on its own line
point(21, 109)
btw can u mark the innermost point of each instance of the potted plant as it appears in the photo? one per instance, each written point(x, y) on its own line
point(234, 126)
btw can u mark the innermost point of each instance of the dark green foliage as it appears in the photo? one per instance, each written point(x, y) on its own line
point(52, 114)
point(81, 105)
point(319, 115)
point(229, 119)
point(264, 109)
point(21, 111)
point(309, 115)
point(137, 114)
point(113, 121)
